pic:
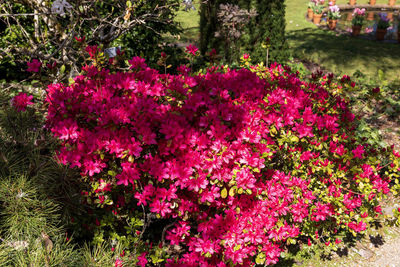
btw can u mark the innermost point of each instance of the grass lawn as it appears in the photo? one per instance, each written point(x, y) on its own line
point(339, 54)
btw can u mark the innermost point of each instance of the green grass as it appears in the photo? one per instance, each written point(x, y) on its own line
point(189, 21)
point(339, 54)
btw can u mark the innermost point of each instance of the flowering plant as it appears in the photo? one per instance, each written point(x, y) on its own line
point(21, 101)
point(317, 8)
point(383, 22)
point(311, 4)
point(333, 12)
point(358, 16)
point(244, 161)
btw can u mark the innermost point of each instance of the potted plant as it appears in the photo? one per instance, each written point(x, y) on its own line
point(317, 10)
point(382, 26)
point(333, 15)
point(310, 12)
point(358, 20)
point(372, 2)
point(371, 15)
point(392, 2)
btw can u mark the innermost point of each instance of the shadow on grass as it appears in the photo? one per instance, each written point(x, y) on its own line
point(345, 53)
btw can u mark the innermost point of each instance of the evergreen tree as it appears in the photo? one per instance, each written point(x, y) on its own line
point(269, 23)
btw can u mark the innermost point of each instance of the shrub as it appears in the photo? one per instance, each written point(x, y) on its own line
point(49, 32)
point(269, 24)
point(236, 164)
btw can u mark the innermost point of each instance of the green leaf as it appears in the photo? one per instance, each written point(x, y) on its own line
point(62, 69)
point(224, 193)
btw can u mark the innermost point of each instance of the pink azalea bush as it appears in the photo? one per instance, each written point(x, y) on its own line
point(243, 161)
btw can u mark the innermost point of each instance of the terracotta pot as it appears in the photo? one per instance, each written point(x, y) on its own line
point(370, 16)
point(390, 16)
point(332, 24)
point(356, 30)
point(310, 13)
point(349, 17)
point(372, 2)
point(317, 18)
point(380, 34)
point(333, 2)
point(352, 2)
point(391, 2)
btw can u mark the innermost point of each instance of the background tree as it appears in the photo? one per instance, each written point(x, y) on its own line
point(270, 23)
point(46, 30)
point(209, 24)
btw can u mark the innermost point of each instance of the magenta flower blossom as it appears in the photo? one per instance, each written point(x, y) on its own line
point(142, 261)
point(358, 152)
point(191, 49)
point(118, 263)
point(137, 63)
point(34, 65)
point(21, 101)
point(359, 12)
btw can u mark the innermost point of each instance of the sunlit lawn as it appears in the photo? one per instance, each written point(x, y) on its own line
point(339, 54)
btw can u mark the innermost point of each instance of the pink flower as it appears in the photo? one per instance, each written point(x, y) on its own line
point(118, 263)
point(34, 66)
point(80, 40)
point(183, 69)
point(358, 227)
point(358, 152)
point(21, 101)
point(142, 261)
point(92, 50)
point(137, 63)
point(191, 49)
point(160, 207)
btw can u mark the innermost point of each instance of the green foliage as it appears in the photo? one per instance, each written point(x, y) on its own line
point(270, 23)
point(209, 25)
point(26, 218)
point(33, 189)
point(137, 26)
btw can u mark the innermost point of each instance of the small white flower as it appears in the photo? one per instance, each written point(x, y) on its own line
point(59, 6)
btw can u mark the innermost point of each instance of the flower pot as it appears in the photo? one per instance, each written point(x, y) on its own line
point(352, 2)
point(333, 2)
point(370, 16)
point(356, 30)
point(332, 24)
point(380, 34)
point(310, 13)
point(391, 2)
point(349, 17)
point(372, 2)
point(390, 16)
point(317, 18)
